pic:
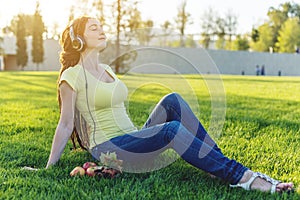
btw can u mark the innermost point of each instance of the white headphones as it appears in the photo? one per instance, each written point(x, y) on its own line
point(77, 41)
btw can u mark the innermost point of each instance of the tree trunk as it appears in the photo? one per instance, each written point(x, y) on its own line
point(118, 37)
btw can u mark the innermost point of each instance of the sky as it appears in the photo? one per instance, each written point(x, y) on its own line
point(248, 12)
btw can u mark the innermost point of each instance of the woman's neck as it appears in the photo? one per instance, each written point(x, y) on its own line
point(89, 59)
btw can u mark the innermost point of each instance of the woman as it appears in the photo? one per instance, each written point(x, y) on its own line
point(92, 103)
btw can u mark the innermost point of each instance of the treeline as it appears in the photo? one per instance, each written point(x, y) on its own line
point(23, 26)
point(122, 19)
point(279, 33)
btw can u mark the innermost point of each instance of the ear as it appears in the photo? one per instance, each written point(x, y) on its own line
point(78, 43)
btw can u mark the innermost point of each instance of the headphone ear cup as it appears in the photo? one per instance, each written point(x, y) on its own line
point(78, 43)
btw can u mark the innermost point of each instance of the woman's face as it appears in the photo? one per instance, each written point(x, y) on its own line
point(93, 35)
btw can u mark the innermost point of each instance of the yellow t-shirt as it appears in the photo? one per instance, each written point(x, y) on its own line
point(105, 100)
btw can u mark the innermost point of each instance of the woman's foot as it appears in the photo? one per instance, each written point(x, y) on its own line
point(260, 183)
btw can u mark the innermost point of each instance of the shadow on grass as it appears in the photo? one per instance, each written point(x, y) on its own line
point(177, 181)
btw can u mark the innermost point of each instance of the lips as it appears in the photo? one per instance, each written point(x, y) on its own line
point(102, 36)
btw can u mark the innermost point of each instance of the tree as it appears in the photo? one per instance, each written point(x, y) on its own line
point(254, 35)
point(37, 38)
point(121, 10)
point(144, 33)
point(289, 36)
point(119, 18)
point(71, 14)
point(1, 49)
point(22, 57)
point(295, 10)
point(190, 42)
point(208, 26)
point(13, 27)
point(54, 34)
point(241, 43)
point(220, 26)
point(166, 31)
point(220, 29)
point(230, 22)
point(265, 40)
point(82, 7)
point(277, 18)
point(99, 7)
point(267, 35)
point(134, 23)
point(225, 28)
point(221, 42)
point(182, 20)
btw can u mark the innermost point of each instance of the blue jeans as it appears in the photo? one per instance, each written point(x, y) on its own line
point(172, 124)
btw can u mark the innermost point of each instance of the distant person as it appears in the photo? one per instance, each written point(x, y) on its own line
point(257, 70)
point(91, 99)
point(262, 70)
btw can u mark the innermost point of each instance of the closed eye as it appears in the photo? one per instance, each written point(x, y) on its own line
point(95, 27)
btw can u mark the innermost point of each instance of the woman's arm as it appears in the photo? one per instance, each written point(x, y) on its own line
point(65, 125)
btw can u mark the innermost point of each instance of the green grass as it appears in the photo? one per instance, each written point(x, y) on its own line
point(261, 130)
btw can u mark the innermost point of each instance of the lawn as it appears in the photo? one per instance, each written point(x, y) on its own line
point(259, 126)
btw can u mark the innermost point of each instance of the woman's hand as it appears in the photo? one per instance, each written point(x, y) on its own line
point(30, 168)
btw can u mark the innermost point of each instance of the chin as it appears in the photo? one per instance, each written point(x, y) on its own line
point(101, 46)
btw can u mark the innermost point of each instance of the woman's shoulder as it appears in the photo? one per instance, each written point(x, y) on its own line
point(72, 74)
point(73, 70)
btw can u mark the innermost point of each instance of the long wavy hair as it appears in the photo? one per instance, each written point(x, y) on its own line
point(69, 57)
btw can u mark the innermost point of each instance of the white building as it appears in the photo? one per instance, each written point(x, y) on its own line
point(171, 60)
point(51, 55)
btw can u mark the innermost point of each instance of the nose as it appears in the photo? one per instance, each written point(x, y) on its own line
point(102, 33)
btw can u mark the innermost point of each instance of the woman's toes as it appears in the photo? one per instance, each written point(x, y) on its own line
point(284, 187)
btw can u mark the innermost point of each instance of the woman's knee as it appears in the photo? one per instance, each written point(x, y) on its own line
point(171, 98)
point(173, 95)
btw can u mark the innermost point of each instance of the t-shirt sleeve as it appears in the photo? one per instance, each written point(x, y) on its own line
point(70, 76)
